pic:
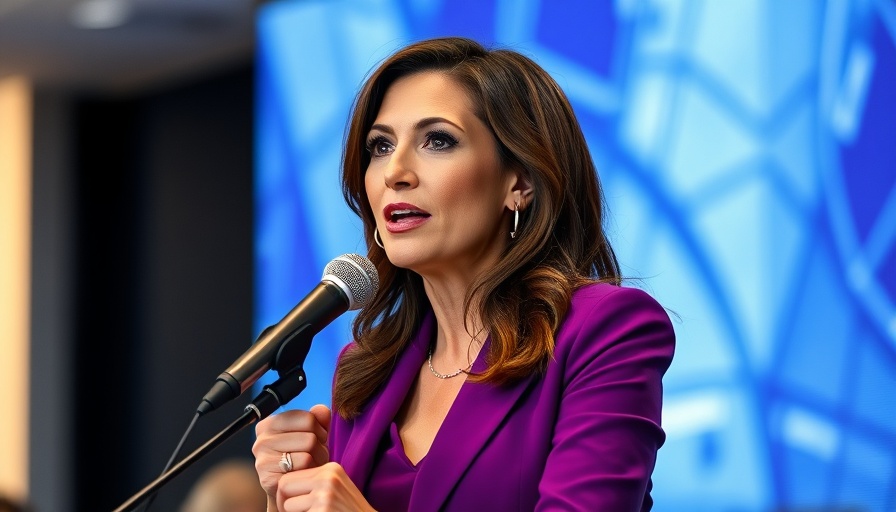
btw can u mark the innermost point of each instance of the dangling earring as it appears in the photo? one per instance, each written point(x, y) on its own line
point(516, 219)
point(376, 237)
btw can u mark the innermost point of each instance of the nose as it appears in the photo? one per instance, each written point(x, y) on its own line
point(400, 171)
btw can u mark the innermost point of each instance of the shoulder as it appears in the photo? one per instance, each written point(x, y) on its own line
point(348, 347)
point(600, 300)
point(603, 317)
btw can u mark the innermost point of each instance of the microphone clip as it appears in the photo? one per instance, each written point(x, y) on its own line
point(278, 393)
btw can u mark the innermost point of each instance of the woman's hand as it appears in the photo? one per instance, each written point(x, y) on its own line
point(301, 434)
point(326, 487)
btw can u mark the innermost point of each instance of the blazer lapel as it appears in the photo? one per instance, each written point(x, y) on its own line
point(372, 425)
point(477, 413)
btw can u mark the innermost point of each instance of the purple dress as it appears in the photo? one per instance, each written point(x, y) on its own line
point(393, 475)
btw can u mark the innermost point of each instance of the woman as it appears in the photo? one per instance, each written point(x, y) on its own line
point(502, 366)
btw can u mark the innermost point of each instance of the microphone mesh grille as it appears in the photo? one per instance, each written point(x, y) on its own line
point(356, 273)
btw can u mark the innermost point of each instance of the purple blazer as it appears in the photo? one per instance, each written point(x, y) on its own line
point(584, 436)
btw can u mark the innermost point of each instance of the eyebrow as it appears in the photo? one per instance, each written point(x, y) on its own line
point(423, 123)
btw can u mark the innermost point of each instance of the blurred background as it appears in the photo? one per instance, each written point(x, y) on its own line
point(170, 187)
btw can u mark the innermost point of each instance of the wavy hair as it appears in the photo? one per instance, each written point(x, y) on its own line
point(562, 244)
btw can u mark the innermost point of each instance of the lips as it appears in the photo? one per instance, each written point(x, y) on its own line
point(404, 216)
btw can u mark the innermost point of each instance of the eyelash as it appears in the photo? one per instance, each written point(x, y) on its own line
point(434, 135)
point(442, 135)
point(373, 142)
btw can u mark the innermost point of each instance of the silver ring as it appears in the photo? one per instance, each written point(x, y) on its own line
point(286, 462)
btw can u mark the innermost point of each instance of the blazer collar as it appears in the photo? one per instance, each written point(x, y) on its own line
point(475, 415)
point(373, 423)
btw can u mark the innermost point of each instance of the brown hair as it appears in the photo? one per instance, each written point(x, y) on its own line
point(561, 245)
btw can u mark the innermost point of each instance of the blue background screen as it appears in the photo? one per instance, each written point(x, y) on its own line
point(748, 154)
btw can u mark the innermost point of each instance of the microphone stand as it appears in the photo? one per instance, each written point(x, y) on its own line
point(272, 396)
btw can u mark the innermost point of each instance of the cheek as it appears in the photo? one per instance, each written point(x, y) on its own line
point(370, 187)
point(475, 198)
point(479, 187)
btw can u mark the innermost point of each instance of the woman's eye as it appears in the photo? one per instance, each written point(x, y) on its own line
point(439, 141)
point(378, 146)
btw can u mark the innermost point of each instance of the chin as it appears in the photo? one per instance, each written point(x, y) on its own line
point(410, 258)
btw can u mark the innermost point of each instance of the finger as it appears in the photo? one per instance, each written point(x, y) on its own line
point(308, 452)
point(294, 490)
point(273, 423)
point(271, 431)
point(305, 481)
point(304, 448)
point(288, 421)
point(323, 415)
point(267, 477)
point(327, 486)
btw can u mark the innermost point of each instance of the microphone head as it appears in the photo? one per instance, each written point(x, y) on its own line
point(356, 276)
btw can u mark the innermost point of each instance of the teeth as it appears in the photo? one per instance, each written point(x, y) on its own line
point(400, 214)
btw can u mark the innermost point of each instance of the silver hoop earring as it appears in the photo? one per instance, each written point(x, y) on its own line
point(516, 219)
point(376, 237)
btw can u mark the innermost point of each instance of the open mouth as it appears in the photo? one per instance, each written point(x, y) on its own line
point(404, 214)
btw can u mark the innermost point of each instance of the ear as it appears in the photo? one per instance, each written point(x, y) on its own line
point(519, 191)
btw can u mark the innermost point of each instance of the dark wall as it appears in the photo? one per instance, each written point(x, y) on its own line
point(161, 297)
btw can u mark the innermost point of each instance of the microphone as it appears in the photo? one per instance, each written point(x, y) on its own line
point(349, 282)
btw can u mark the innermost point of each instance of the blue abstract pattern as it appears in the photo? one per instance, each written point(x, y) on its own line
point(748, 154)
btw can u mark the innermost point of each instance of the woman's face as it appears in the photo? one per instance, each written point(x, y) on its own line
point(435, 182)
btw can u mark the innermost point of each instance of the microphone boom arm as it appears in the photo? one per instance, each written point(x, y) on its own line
point(272, 396)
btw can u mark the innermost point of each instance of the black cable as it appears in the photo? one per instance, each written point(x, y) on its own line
point(171, 460)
